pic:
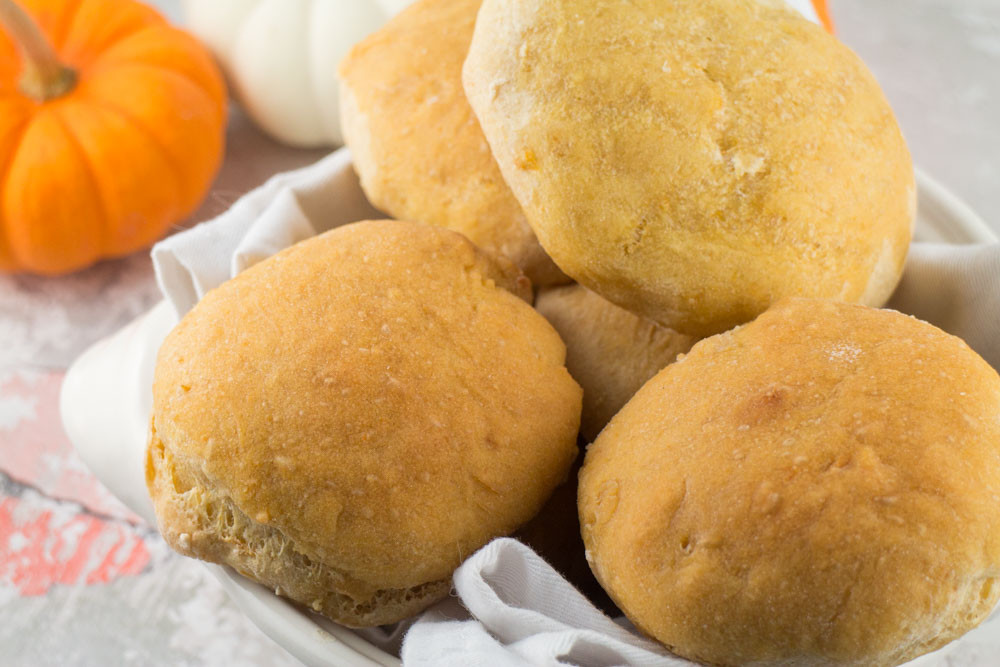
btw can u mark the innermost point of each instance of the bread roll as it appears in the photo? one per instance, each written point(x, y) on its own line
point(348, 420)
point(609, 351)
point(819, 487)
point(416, 145)
point(694, 162)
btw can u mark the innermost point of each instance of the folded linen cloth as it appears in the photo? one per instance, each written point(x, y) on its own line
point(533, 615)
point(512, 608)
point(958, 289)
point(290, 207)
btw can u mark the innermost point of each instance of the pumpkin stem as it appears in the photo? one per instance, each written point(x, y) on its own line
point(44, 77)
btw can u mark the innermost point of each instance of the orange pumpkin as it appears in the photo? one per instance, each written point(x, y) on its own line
point(111, 129)
point(823, 11)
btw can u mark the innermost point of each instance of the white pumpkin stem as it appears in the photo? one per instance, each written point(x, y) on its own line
point(44, 77)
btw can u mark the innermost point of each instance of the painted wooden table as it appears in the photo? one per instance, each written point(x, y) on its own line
point(84, 582)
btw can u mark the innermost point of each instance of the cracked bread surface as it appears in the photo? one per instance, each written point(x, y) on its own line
point(694, 162)
point(348, 420)
point(816, 488)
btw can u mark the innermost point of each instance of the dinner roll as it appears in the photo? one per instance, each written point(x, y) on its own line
point(819, 487)
point(416, 145)
point(348, 420)
point(694, 162)
point(610, 351)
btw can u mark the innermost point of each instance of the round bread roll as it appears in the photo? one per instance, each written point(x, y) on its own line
point(348, 420)
point(416, 144)
point(819, 487)
point(610, 351)
point(694, 162)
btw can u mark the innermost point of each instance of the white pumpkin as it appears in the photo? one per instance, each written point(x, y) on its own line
point(281, 57)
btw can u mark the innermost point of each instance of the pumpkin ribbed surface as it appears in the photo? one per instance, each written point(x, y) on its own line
point(106, 168)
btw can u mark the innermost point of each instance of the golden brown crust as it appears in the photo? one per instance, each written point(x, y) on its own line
point(417, 146)
point(694, 161)
point(610, 351)
point(818, 487)
point(380, 399)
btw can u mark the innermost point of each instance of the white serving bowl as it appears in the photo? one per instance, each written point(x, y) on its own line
point(105, 405)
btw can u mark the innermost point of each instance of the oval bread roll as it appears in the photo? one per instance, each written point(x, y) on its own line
point(694, 162)
point(819, 487)
point(348, 420)
point(416, 144)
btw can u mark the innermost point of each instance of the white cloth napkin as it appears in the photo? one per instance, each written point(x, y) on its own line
point(290, 207)
point(525, 614)
point(958, 289)
point(515, 609)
